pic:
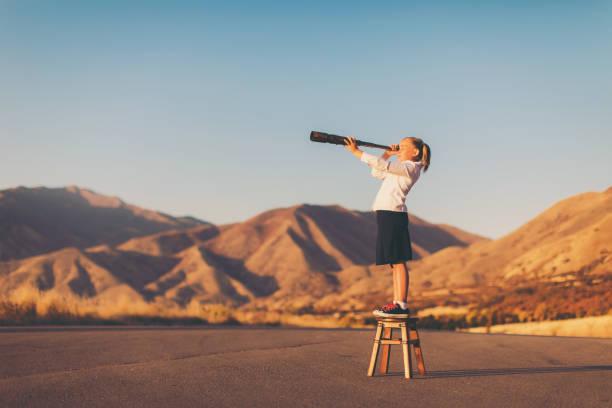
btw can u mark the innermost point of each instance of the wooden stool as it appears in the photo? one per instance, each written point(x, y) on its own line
point(406, 325)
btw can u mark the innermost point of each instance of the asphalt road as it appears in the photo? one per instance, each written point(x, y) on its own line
point(285, 367)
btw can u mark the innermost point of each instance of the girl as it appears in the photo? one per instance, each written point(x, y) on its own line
point(393, 245)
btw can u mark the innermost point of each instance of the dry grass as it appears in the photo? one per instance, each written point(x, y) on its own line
point(438, 311)
point(31, 306)
point(598, 326)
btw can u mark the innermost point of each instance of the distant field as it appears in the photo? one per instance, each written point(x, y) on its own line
point(600, 326)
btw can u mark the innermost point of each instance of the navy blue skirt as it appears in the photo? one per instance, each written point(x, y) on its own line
point(392, 237)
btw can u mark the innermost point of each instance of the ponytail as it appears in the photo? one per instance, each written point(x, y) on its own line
point(424, 156)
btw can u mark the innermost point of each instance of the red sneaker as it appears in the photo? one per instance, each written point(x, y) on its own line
point(385, 306)
point(391, 310)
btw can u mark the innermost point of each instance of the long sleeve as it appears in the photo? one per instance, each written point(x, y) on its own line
point(377, 173)
point(377, 163)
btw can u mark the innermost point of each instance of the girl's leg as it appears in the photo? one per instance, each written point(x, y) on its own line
point(401, 281)
point(396, 288)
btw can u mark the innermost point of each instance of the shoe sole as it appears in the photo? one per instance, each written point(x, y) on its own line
point(383, 314)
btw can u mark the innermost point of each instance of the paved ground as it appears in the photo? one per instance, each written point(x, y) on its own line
point(272, 367)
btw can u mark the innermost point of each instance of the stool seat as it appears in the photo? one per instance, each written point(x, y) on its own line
point(410, 339)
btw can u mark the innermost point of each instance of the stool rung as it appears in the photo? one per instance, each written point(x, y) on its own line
point(397, 325)
point(397, 341)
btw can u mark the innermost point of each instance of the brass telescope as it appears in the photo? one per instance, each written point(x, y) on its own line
point(322, 137)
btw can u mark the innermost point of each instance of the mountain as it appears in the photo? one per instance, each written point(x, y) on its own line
point(303, 258)
point(319, 258)
point(303, 246)
point(569, 244)
point(38, 220)
point(303, 250)
point(574, 236)
point(66, 272)
point(171, 242)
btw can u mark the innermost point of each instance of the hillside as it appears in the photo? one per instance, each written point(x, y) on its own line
point(305, 246)
point(319, 260)
point(38, 220)
point(573, 236)
point(299, 251)
point(557, 265)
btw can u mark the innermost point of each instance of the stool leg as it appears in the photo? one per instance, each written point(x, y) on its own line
point(375, 349)
point(418, 352)
point(386, 351)
point(406, 349)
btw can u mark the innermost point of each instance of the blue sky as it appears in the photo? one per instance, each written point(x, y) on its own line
point(204, 108)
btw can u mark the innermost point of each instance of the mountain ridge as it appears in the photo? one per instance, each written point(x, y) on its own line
point(40, 219)
point(320, 258)
point(300, 249)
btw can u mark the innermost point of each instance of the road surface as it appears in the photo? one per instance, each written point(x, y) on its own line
point(287, 367)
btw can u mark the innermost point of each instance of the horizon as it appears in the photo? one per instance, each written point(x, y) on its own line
point(204, 109)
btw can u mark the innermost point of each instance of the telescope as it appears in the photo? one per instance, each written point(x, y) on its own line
point(322, 137)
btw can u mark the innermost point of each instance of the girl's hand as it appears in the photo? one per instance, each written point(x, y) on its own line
point(351, 144)
point(391, 152)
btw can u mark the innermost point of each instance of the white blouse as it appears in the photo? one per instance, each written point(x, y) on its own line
point(398, 178)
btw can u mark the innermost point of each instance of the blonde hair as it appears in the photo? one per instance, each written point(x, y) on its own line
point(424, 155)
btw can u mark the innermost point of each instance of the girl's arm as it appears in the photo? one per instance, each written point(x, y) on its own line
point(385, 155)
point(395, 167)
point(379, 163)
point(377, 173)
point(351, 146)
